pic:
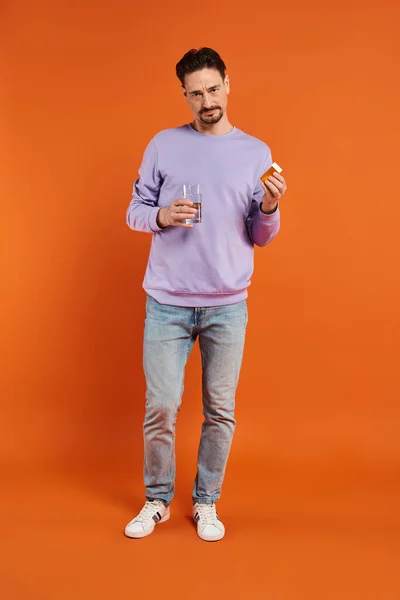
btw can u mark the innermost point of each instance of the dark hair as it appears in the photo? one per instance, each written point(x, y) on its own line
point(196, 60)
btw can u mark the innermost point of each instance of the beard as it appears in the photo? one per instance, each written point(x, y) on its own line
point(211, 119)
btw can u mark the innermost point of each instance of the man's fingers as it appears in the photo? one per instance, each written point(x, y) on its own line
point(182, 218)
point(266, 189)
point(272, 188)
point(277, 183)
point(180, 210)
point(278, 176)
point(182, 202)
point(184, 225)
point(185, 213)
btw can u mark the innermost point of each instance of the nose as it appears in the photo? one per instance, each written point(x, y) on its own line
point(207, 103)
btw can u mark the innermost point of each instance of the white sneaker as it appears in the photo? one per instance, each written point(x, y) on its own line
point(151, 515)
point(209, 527)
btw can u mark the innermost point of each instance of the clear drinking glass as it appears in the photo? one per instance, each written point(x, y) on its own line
point(192, 192)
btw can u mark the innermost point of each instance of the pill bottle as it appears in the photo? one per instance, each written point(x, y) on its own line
point(273, 167)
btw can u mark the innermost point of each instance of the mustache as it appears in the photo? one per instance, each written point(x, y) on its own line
point(204, 110)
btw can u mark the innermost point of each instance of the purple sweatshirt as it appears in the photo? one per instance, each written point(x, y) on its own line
point(210, 264)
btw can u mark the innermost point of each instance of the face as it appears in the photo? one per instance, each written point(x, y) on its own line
point(207, 95)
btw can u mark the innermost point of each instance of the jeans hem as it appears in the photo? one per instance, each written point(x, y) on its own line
point(151, 499)
point(205, 500)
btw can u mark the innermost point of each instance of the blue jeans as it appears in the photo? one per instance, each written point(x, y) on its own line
point(169, 336)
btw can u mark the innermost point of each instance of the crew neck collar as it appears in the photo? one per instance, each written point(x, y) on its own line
point(206, 135)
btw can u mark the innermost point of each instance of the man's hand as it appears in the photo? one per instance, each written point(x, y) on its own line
point(176, 214)
point(274, 188)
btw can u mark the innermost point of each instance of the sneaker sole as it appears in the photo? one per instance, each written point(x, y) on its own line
point(211, 539)
point(214, 538)
point(142, 534)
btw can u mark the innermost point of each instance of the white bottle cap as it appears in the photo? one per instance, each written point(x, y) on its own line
point(276, 168)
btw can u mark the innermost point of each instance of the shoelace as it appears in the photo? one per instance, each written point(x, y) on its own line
point(148, 510)
point(207, 513)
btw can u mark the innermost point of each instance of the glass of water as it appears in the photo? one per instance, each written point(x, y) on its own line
point(191, 191)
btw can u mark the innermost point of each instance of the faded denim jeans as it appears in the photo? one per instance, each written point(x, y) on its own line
point(169, 336)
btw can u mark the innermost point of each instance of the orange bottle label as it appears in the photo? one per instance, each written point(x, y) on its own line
point(273, 167)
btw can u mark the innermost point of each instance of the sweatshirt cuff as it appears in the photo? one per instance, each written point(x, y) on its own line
point(268, 218)
point(153, 221)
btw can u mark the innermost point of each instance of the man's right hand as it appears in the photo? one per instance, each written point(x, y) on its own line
point(176, 214)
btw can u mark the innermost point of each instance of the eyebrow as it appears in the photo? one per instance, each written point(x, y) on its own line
point(212, 87)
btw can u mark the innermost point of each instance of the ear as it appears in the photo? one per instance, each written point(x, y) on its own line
point(184, 90)
point(227, 84)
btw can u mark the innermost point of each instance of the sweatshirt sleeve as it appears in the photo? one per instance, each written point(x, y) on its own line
point(142, 211)
point(262, 228)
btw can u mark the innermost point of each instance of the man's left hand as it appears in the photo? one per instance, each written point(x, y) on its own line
point(274, 188)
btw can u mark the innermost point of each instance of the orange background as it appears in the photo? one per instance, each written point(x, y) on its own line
point(310, 499)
